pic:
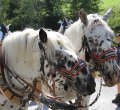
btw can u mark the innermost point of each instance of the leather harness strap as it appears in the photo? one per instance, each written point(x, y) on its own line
point(17, 98)
point(52, 89)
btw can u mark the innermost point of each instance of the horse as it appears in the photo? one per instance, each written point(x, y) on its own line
point(93, 39)
point(30, 57)
point(92, 33)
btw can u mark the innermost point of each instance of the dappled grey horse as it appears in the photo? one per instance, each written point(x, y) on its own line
point(93, 40)
point(45, 57)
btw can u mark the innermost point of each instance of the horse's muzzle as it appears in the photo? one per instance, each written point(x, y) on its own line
point(91, 85)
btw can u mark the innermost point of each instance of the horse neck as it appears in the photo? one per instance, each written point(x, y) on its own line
point(74, 33)
point(22, 55)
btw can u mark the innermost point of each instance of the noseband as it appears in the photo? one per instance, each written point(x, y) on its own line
point(105, 56)
point(98, 58)
point(75, 70)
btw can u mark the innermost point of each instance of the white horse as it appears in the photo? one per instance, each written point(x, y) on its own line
point(97, 36)
point(24, 66)
point(93, 39)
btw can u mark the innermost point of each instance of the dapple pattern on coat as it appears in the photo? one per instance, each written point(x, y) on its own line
point(99, 38)
point(22, 55)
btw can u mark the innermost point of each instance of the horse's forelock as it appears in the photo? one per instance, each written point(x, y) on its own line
point(57, 40)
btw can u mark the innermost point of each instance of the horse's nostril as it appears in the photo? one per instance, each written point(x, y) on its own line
point(54, 75)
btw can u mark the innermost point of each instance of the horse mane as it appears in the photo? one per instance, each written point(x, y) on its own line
point(21, 48)
point(23, 45)
point(75, 33)
point(57, 40)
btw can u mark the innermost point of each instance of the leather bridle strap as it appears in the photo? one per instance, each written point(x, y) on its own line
point(17, 77)
point(31, 86)
point(43, 56)
point(51, 89)
point(75, 70)
point(105, 56)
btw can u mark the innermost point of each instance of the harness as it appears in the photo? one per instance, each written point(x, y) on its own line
point(33, 90)
point(17, 95)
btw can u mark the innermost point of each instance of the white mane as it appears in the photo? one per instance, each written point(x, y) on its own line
point(22, 53)
point(74, 33)
point(57, 40)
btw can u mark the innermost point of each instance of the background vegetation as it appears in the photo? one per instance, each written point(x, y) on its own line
point(47, 13)
point(114, 21)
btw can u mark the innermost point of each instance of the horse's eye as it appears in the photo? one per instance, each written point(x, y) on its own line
point(47, 66)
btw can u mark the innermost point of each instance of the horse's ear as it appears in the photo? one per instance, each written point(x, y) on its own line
point(83, 17)
point(106, 16)
point(43, 35)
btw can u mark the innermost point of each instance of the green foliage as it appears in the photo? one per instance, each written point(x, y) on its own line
point(88, 5)
point(42, 13)
point(72, 7)
point(52, 13)
point(114, 21)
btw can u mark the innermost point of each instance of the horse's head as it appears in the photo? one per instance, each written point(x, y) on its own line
point(99, 37)
point(60, 53)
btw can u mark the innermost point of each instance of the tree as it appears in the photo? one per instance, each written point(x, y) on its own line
point(52, 13)
point(42, 13)
point(89, 6)
point(8, 10)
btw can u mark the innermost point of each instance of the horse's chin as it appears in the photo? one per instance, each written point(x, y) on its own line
point(112, 81)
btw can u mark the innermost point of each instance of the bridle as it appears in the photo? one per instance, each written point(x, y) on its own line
point(68, 75)
point(100, 58)
point(105, 56)
point(75, 70)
